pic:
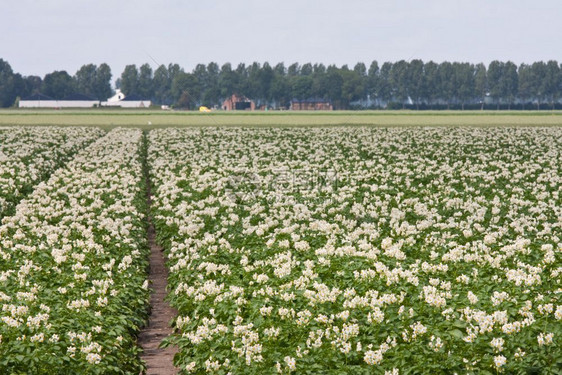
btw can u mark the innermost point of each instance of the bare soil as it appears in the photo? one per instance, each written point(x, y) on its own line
point(159, 361)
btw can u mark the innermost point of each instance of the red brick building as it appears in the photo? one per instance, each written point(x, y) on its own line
point(238, 103)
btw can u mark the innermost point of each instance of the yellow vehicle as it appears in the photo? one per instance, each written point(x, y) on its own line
point(204, 109)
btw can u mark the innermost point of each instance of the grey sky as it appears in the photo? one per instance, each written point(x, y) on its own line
point(39, 37)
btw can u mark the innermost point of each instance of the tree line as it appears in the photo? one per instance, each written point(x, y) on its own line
point(90, 80)
point(402, 84)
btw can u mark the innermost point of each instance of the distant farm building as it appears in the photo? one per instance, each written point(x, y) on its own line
point(71, 101)
point(311, 105)
point(78, 101)
point(38, 101)
point(238, 103)
point(130, 101)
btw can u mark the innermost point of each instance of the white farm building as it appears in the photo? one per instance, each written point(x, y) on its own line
point(131, 101)
point(71, 101)
point(78, 101)
point(38, 101)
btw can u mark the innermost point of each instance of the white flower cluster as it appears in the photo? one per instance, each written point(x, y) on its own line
point(328, 241)
point(28, 154)
point(73, 258)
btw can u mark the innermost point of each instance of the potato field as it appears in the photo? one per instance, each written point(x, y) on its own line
point(295, 250)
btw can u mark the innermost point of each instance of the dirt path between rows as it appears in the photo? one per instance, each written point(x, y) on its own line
point(158, 361)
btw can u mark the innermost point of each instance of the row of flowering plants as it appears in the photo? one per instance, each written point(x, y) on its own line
point(73, 289)
point(362, 250)
point(30, 154)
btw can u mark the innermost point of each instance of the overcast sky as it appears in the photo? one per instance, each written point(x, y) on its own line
point(39, 37)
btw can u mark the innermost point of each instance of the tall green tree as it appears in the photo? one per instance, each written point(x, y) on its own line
point(301, 87)
point(32, 85)
point(551, 82)
point(58, 84)
point(185, 90)
point(161, 86)
point(480, 83)
point(417, 88)
point(265, 79)
point(319, 69)
point(102, 82)
point(495, 83)
point(253, 82)
point(293, 70)
point(373, 81)
point(399, 81)
point(280, 88)
point(509, 82)
point(130, 80)
point(202, 79)
point(7, 86)
point(465, 82)
point(20, 88)
point(432, 82)
point(333, 85)
point(385, 83)
point(94, 81)
point(318, 72)
point(174, 70)
point(361, 73)
point(306, 69)
point(212, 94)
point(228, 81)
point(85, 79)
point(447, 84)
point(354, 86)
point(360, 69)
point(538, 72)
point(145, 87)
point(525, 84)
